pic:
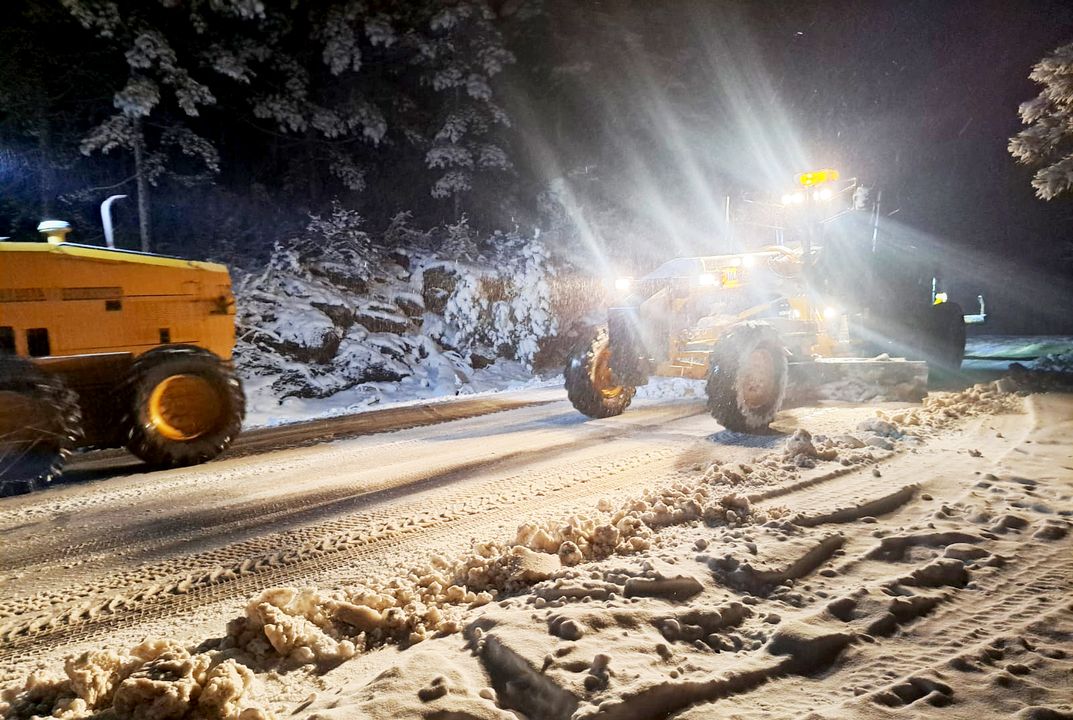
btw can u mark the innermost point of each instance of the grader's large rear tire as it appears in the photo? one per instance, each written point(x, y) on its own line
point(39, 421)
point(942, 341)
point(187, 406)
point(590, 384)
point(747, 379)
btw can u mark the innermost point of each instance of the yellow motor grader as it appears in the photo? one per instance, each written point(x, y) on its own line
point(101, 347)
point(753, 324)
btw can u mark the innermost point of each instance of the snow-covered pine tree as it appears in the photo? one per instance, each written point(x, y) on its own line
point(1047, 142)
point(460, 51)
point(44, 113)
point(168, 52)
point(393, 100)
point(364, 84)
point(323, 82)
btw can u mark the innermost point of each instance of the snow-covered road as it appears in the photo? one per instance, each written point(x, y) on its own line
point(152, 553)
point(826, 548)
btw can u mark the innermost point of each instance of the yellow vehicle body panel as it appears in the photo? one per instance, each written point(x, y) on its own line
point(64, 300)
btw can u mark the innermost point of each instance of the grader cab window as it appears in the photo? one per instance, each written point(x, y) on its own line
point(37, 343)
point(7, 340)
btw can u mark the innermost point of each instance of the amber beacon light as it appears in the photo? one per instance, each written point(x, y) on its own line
point(816, 177)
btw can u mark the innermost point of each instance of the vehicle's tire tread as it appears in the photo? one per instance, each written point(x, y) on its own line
point(581, 390)
point(41, 462)
point(728, 356)
point(148, 370)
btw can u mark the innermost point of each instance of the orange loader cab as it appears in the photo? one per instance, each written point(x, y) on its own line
point(110, 348)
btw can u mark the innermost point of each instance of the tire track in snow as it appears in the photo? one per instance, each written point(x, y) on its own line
point(368, 487)
point(644, 448)
point(341, 542)
point(260, 441)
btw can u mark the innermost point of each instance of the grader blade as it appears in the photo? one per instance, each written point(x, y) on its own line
point(858, 380)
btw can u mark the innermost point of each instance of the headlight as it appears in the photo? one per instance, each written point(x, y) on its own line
point(623, 284)
point(706, 280)
point(823, 195)
point(794, 198)
point(830, 313)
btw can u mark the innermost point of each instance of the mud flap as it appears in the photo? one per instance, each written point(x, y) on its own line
point(857, 379)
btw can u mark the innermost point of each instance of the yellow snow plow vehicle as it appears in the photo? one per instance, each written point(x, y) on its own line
point(104, 348)
point(756, 323)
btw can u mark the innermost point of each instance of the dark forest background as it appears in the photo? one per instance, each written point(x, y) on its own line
point(617, 128)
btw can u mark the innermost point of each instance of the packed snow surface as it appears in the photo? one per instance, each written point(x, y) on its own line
point(264, 409)
point(917, 560)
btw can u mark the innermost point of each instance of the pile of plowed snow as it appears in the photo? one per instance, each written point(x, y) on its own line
point(157, 679)
point(1055, 362)
point(290, 627)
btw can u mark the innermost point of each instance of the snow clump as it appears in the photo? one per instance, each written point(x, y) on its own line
point(155, 680)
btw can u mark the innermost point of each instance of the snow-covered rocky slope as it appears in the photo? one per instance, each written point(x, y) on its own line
point(336, 323)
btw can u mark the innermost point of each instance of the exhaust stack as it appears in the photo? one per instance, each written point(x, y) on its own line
point(106, 219)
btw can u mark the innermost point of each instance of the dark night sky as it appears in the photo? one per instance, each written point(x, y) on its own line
point(917, 98)
point(928, 92)
point(925, 94)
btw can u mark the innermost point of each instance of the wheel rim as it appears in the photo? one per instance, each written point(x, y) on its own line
point(25, 423)
point(184, 407)
point(758, 384)
point(602, 379)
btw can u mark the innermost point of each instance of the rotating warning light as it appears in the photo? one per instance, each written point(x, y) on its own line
point(816, 177)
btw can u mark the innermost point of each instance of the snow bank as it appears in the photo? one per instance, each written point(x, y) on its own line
point(1016, 347)
point(307, 625)
point(671, 388)
point(1055, 362)
point(155, 680)
point(1042, 352)
point(263, 409)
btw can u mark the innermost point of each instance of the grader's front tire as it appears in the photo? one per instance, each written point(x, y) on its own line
point(39, 424)
point(187, 406)
point(590, 384)
point(747, 379)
